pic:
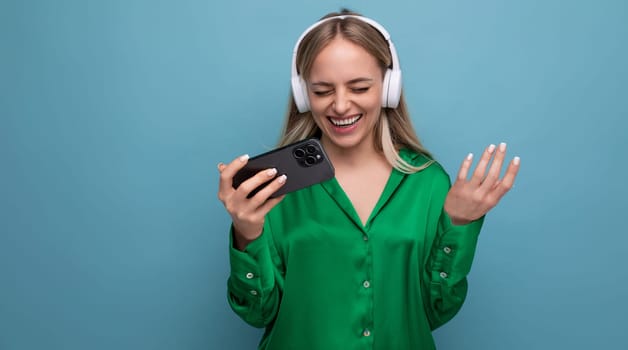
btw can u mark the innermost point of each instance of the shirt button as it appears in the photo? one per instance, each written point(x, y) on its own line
point(447, 250)
point(443, 274)
point(250, 275)
point(253, 292)
point(366, 284)
point(365, 237)
point(366, 333)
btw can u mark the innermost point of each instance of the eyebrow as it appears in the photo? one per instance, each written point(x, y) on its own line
point(352, 81)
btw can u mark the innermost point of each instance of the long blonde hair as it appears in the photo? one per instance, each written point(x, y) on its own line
point(393, 130)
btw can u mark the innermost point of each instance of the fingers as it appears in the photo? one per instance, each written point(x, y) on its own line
point(255, 181)
point(237, 200)
point(480, 169)
point(509, 178)
point(496, 167)
point(464, 168)
point(228, 171)
point(264, 194)
point(469, 200)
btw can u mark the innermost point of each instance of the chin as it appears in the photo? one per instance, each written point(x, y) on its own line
point(349, 141)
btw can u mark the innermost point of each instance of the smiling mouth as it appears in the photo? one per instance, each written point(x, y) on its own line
point(345, 123)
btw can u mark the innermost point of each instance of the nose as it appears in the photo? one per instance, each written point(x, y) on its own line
point(341, 103)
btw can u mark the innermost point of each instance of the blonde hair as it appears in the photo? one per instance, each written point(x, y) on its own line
point(393, 130)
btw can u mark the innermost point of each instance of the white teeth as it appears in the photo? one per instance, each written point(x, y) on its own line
point(345, 122)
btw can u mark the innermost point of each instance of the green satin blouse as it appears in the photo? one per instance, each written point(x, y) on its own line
point(317, 278)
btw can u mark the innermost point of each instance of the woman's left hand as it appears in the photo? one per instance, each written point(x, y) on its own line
point(469, 200)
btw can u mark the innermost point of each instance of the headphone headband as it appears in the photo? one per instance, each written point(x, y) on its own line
point(392, 79)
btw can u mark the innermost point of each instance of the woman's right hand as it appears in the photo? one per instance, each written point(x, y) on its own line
point(247, 214)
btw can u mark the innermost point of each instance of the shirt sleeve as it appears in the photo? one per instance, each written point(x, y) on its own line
point(255, 283)
point(447, 268)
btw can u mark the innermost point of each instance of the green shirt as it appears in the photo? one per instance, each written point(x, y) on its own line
point(317, 278)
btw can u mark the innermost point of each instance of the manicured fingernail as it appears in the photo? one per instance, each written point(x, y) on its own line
point(516, 160)
point(502, 147)
point(491, 148)
point(271, 172)
point(470, 156)
point(244, 157)
point(219, 165)
point(282, 179)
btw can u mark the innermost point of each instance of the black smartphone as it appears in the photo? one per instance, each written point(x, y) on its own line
point(304, 163)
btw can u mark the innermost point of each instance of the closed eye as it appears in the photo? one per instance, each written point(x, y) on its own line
point(322, 93)
point(360, 90)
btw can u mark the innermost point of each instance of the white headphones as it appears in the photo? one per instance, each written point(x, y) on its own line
point(391, 89)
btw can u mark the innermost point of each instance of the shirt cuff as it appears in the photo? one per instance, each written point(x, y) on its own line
point(251, 269)
point(454, 251)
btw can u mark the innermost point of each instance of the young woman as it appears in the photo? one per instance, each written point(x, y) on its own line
point(377, 257)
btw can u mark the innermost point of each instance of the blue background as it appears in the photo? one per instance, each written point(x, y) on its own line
point(114, 115)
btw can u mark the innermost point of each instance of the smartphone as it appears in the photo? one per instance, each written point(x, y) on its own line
point(304, 163)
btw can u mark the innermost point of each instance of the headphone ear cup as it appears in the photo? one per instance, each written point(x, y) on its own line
point(299, 93)
point(385, 85)
point(392, 88)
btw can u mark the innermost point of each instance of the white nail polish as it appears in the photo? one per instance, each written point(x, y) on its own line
point(470, 156)
point(244, 157)
point(516, 161)
point(282, 179)
point(271, 172)
point(502, 147)
point(491, 148)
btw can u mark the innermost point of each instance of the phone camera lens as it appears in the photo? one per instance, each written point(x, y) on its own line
point(299, 153)
point(311, 149)
point(310, 160)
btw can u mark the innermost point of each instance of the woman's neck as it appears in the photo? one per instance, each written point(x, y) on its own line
point(362, 155)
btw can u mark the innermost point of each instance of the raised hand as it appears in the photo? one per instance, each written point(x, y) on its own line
point(470, 199)
point(247, 214)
